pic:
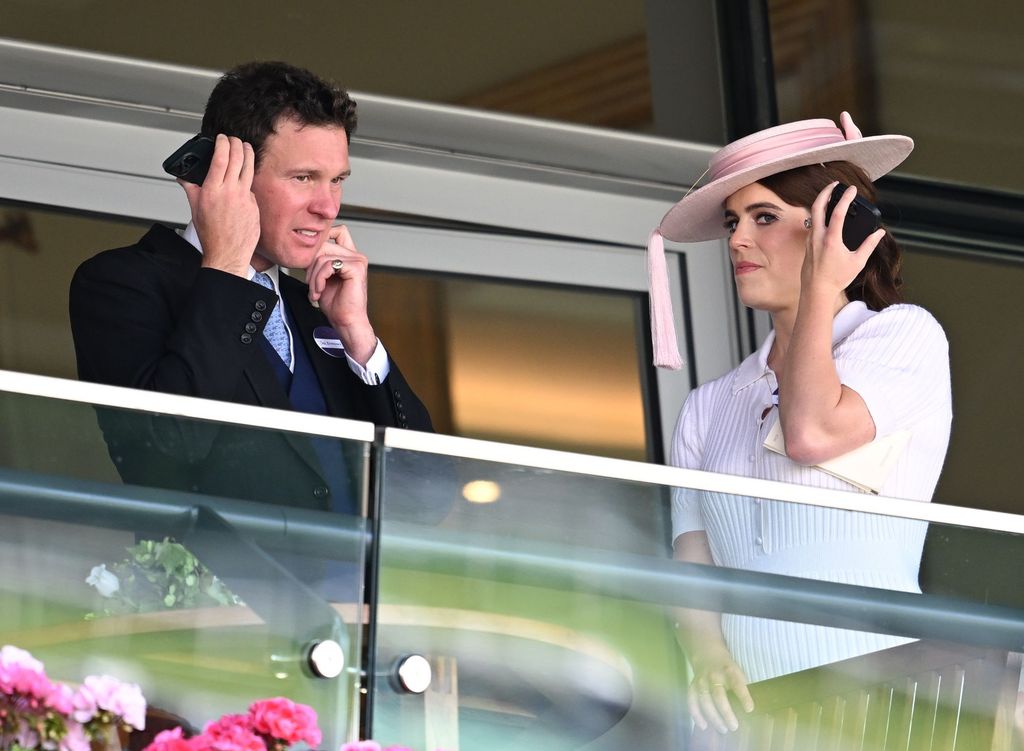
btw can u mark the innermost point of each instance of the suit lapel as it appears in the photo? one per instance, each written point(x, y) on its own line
point(264, 383)
point(259, 373)
point(176, 250)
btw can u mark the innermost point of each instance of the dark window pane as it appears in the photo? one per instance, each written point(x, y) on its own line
point(950, 75)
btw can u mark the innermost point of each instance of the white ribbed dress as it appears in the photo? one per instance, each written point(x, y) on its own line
point(897, 360)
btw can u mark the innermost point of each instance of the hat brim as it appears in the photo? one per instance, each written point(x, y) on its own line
point(700, 216)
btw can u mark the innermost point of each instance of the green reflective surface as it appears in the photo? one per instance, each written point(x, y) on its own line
point(548, 615)
point(216, 599)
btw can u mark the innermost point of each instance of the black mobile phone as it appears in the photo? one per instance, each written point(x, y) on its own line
point(862, 218)
point(191, 161)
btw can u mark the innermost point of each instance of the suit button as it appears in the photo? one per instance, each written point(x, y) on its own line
point(251, 328)
point(320, 491)
point(401, 416)
point(246, 338)
point(256, 316)
point(260, 305)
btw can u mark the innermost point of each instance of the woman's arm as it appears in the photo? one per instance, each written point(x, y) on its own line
point(821, 418)
point(700, 635)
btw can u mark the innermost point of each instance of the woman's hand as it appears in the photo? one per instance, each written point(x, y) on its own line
point(715, 676)
point(829, 266)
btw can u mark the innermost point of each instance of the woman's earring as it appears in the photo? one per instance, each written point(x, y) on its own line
point(807, 223)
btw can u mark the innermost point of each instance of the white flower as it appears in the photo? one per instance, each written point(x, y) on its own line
point(106, 582)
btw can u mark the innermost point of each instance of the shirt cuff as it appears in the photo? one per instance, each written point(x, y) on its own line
point(377, 367)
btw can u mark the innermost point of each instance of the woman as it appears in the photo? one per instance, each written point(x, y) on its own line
point(846, 364)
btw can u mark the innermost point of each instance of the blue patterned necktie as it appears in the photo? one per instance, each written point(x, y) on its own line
point(275, 330)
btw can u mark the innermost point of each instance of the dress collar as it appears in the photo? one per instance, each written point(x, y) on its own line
point(755, 367)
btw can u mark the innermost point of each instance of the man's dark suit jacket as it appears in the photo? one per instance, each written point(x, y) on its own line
point(148, 316)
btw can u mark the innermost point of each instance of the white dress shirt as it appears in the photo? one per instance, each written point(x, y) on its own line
point(376, 368)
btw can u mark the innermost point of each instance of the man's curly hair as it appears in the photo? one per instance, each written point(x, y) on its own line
point(249, 99)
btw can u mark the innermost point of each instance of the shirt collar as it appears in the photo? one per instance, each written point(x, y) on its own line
point(755, 367)
point(190, 235)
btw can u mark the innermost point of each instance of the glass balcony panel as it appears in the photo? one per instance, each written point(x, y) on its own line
point(208, 602)
point(546, 602)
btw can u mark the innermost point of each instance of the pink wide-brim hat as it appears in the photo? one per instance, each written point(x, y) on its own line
point(700, 214)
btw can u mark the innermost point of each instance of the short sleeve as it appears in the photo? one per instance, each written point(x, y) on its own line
point(687, 452)
point(898, 362)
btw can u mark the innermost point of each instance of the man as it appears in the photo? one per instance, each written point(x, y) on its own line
point(206, 312)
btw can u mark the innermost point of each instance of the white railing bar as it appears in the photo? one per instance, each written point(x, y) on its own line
point(503, 453)
point(184, 406)
point(658, 474)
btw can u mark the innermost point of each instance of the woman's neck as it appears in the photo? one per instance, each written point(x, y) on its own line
point(783, 323)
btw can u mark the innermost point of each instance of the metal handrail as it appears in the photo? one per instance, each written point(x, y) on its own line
point(671, 477)
point(639, 578)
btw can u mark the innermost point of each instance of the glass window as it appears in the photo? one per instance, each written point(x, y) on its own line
point(948, 75)
point(975, 299)
point(539, 365)
point(542, 365)
point(39, 252)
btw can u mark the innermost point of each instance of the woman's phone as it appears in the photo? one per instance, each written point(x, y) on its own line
point(862, 218)
point(191, 161)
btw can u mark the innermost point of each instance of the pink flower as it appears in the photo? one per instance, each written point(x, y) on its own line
point(41, 714)
point(75, 739)
point(26, 737)
point(360, 746)
point(105, 692)
point(170, 740)
point(60, 698)
point(11, 656)
point(232, 732)
point(284, 719)
point(21, 673)
point(84, 705)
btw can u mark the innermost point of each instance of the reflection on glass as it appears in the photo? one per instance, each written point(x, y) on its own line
point(901, 70)
point(809, 542)
point(549, 615)
point(560, 59)
point(528, 364)
point(209, 603)
point(502, 599)
point(37, 260)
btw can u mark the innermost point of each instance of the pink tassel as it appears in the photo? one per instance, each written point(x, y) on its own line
point(663, 328)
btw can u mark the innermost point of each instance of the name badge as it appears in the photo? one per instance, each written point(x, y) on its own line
point(327, 340)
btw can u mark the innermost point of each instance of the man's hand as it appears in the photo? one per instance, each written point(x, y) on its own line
point(224, 208)
point(341, 293)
